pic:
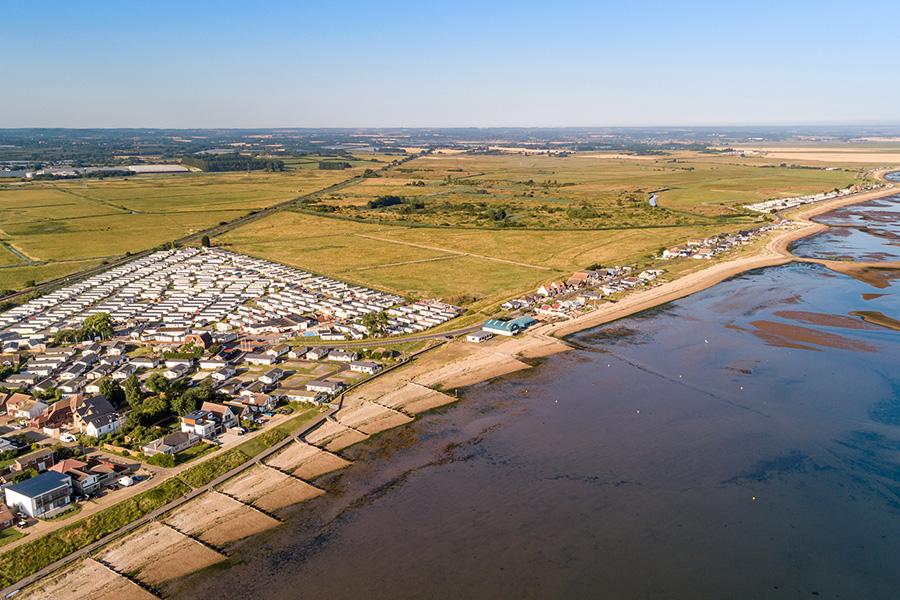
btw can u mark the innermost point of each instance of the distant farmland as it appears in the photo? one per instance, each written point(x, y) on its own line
point(49, 229)
point(448, 243)
point(465, 227)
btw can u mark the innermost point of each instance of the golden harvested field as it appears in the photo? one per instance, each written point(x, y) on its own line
point(55, 223)
point(469, 266)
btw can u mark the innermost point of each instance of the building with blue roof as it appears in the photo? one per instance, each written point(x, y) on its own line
point(508, 327)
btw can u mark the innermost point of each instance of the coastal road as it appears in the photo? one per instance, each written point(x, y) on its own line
point(110, 537)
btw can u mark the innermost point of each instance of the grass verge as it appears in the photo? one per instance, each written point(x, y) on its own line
point(24, 560)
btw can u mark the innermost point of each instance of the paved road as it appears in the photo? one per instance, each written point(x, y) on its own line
point(164, 509)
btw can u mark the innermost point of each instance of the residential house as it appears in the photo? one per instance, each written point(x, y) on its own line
point(176, 372)
point(225, 415)
point(24, 407)
point(272, 376)
point(224, 373)
point(258, 402)
point(368, 367)
point(317, 353)
point(298, 352)
point(259, 359)
point(41, 496)
point(96, 416)
point(84, 481)
point(171, 444)
point(278, 351)
point(326, 386)
point(344, 356)
point(145, 362)
point(7, 518)
point(201, 423)
point(295, 395)
point(213, 363)
point(39, 460)
point(202, 339)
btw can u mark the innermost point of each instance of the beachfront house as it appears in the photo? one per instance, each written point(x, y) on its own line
point(369, 367)
point(326, 386)
point(41, 496)
point(171, 444)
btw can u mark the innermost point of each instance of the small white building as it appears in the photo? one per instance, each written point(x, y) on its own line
point(477, 337)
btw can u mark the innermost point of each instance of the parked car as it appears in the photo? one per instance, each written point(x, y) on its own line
point(67, 437)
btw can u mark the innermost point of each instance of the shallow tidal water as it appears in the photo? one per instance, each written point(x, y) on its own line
point(743, 442)
point(865, 232)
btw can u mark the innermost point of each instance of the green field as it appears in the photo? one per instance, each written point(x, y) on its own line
point(61, 227)
point(562, 214)
point(578, 191)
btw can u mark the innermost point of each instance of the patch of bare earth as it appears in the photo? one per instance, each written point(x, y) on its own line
point(86, 580)
point(370, 417)
point(333, 436)
point(218, 519)
point(306, 461)
point(269, 489)
point(157, 553)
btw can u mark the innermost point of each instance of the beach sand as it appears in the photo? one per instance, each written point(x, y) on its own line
point(86, 580)
point(307, 461)
point(157, 553)
point(269, 489)
point(218, 519)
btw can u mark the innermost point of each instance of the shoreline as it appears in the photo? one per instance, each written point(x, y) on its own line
point(398, 397)
point(775, 252)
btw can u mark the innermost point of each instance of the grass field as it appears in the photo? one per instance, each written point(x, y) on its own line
point(578, 191)
point(561, 214)
point(467, 266)
point(63, 226)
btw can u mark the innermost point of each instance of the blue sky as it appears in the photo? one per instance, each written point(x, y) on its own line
point(459, 63)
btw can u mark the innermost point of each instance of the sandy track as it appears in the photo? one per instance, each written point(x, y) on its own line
point(370, 417)
point(218, 519)
point(333, 436)
point(269, 489)
point(86, 580)
point(307, 461)
point(157, 553)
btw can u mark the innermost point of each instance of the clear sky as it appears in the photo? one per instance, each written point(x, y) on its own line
point(448, 63)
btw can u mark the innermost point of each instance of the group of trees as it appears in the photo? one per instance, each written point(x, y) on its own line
point(333, 165)
point(375, 322)
point(161, 400)
point(385, 201)
point(234, 162)
point(96, 326)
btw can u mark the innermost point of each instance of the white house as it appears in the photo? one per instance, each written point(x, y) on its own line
point(41, 496)
point(365, 366)
point(272, 376)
